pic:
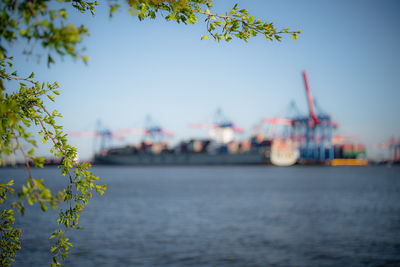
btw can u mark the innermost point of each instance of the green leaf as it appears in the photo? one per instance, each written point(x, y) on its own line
point(22, 31)
point(43, 206)
point(49, 60)
point(51, 97)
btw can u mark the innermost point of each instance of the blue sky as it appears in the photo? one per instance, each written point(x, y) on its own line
point(348, 48)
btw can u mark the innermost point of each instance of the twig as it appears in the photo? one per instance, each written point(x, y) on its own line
point(69, 173)
point(26, 164)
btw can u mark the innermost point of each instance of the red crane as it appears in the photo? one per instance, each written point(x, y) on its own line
point(282, 121)
point(310, 100)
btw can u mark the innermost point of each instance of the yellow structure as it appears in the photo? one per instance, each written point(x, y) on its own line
point(349, 162)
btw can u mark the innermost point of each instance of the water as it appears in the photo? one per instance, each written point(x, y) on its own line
point(228, 216)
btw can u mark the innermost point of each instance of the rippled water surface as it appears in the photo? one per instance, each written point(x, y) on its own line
point(227, 216)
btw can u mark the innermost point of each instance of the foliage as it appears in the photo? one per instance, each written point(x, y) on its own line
point(22, 108)
point(9, 235)
point(236, 23)
point(19, 112)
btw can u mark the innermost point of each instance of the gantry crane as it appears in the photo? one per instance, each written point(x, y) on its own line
point(222, 129)
point(103, 133)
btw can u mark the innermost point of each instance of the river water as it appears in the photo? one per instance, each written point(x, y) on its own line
point(227, 216)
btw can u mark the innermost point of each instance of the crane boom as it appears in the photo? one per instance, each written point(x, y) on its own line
point(310, 100)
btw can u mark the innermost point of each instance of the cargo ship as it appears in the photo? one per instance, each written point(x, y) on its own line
point(255, 151)
point(189, 152)
point(221, 148)
point(279, 152)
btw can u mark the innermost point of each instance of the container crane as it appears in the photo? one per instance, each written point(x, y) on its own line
point(317, 130)
point(152, 131)
point(104, 134)
point(222, 129)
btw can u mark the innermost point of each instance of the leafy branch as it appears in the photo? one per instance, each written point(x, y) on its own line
point(237, 23)
point(19, 111)
point(242, 25)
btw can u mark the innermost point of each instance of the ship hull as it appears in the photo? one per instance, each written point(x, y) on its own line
point(182, 159)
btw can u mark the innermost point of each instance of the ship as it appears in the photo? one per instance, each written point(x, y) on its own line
point(189, 152)
point(221, 148)
point(255, 151)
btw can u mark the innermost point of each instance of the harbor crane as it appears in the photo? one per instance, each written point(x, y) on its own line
point(313, 132)
point(222, 129)
point(104, 134)
point(152, 131)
